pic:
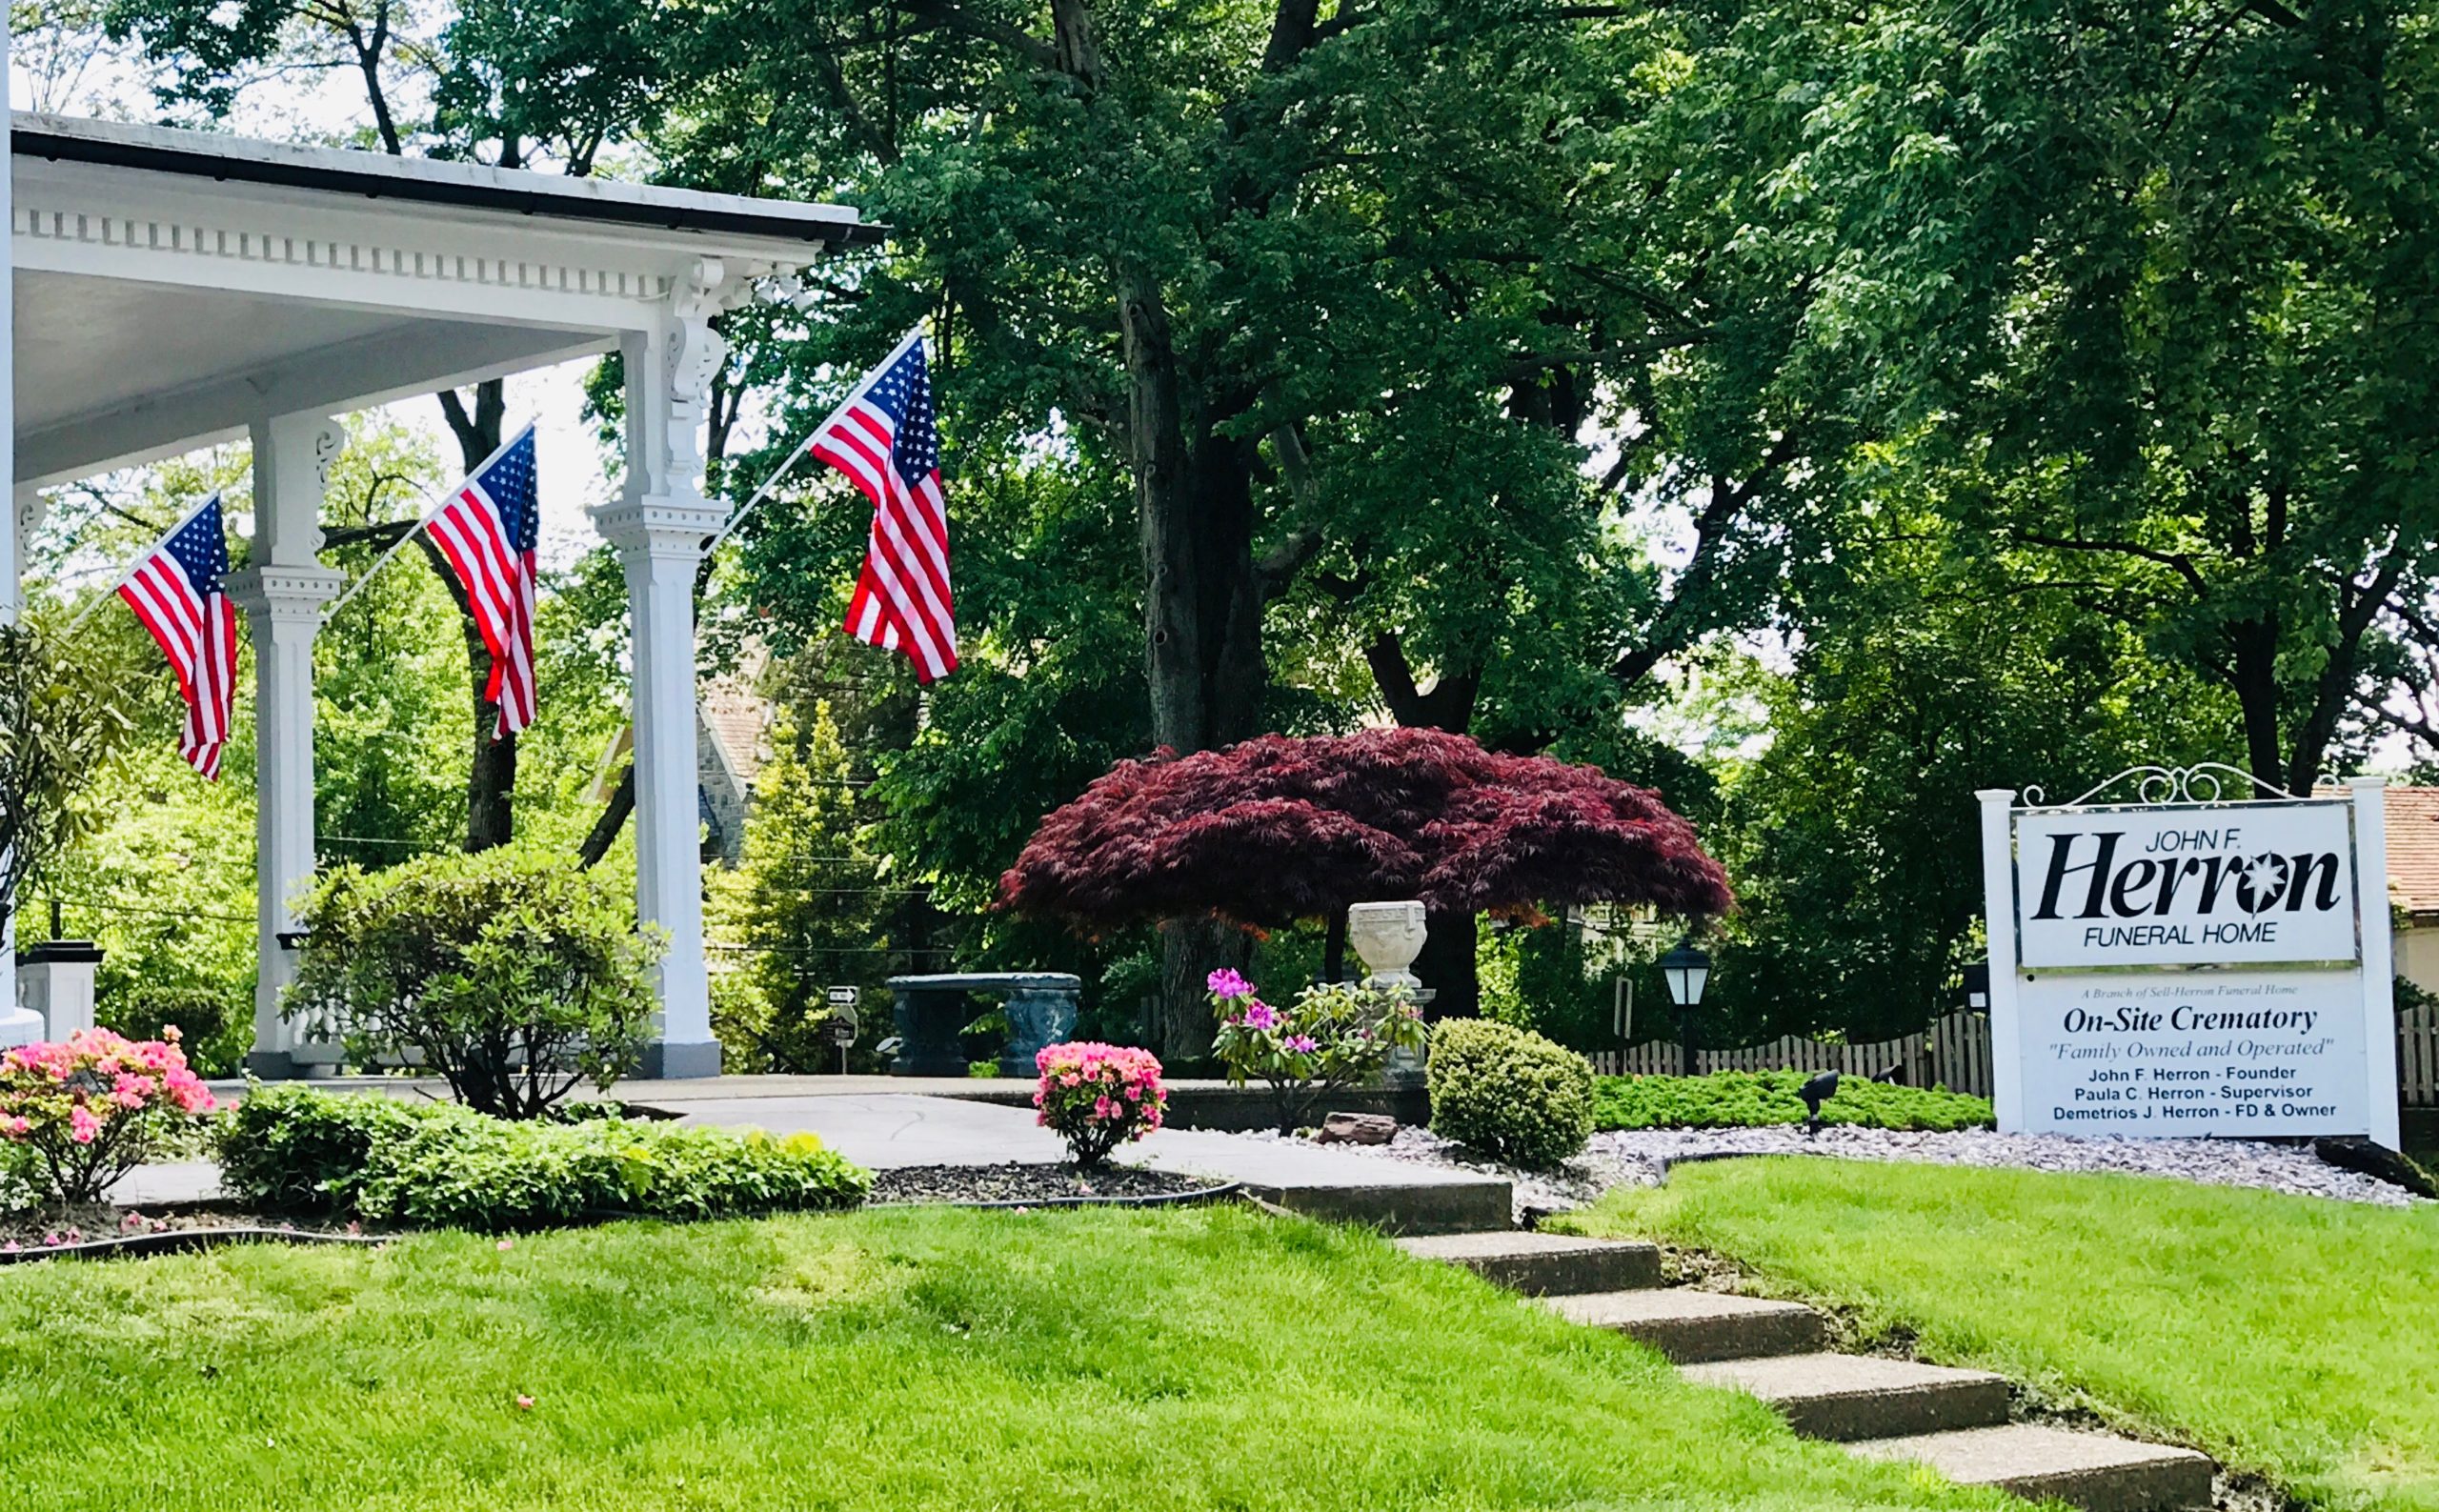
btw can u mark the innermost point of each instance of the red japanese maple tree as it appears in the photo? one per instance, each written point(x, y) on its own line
point(1278, 829)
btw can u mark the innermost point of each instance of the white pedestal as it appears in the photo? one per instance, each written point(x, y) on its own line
point(56, 987)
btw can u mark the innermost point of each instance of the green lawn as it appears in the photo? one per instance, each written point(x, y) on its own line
point(1209, 1359)
point(2291, 1337)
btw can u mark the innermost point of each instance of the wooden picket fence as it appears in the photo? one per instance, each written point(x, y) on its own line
point(2418, 1058)
point(1955, 1053)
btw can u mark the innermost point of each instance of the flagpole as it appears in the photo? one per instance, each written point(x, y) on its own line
point(738, 517)
point(142, 557)
point(434, 506)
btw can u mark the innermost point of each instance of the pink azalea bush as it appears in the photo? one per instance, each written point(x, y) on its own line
point(85, 1110)
point(1332, 1037)
point(1098, 1097)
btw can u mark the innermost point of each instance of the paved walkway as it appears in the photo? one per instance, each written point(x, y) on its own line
point(896, 1128)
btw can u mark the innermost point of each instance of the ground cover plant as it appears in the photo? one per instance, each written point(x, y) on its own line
point(298, 1149)
point(1189, 1359)
point(1742, 1100)
point(2296, 1337)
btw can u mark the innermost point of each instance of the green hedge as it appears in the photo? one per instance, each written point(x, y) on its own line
point(296, 1149)
point(1508, 1092)
point(1742, 1100)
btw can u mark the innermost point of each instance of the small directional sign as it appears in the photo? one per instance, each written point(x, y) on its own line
point(845, 997)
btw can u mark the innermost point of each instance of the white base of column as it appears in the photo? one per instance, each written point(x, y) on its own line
point(19, 1026)
point(681, 1060)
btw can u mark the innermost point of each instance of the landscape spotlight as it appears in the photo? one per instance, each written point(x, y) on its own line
point(1820, 1089)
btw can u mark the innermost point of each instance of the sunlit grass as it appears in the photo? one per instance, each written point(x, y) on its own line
point(2294, 1337)
point(1211, 1359)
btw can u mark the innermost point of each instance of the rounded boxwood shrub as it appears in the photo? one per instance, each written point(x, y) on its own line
point(1509, 1093)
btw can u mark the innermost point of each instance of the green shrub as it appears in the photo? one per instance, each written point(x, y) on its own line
point(513, 974)
point(20, 1178)
point(292, 1148)
point(1509, 1093)
point(441, 1165)
point(1740, 1100)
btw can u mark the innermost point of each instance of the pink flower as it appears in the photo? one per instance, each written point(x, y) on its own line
point(82, 1126)
point(1259, 1015)
point(1300, 1044)
point(1228, 985)
point(507, 1243)
point(524, 1402)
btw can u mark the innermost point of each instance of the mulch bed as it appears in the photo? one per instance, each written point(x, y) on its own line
point(1037, 1185)
point(109, 1230)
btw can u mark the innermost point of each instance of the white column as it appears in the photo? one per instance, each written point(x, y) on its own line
point(1999, 908)
point(282, 590)
point(2379, 954)
point(18, 1025)
point(15, 1024)
point(659, 524)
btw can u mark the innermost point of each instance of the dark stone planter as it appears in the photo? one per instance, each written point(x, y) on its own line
point(928, 1012)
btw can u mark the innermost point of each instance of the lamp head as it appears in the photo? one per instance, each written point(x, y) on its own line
point(1688, 971)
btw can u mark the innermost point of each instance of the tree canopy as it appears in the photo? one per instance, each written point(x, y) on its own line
point(1277, 828)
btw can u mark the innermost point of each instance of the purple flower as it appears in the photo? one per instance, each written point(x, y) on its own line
point(1302, 1044)
point(1228, 984)
point(1259, 1015)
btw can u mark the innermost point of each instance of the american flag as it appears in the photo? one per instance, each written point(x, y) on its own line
point(176, 593)
point(490, 533)
point(887, 440)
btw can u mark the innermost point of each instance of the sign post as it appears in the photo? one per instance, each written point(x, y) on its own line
point(2189, 965)
point(843, 1024)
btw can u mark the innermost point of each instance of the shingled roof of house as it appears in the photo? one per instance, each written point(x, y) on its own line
point(2413, 849)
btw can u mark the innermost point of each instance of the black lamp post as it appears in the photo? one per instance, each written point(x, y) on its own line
point(1688, 971)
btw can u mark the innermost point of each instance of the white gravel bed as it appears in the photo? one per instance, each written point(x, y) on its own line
point(1640, 1156)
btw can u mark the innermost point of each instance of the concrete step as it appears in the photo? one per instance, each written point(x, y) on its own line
point(1544, 1264)
point(1848, 1397)
point(2095, 1471)
point(1692, 1326)
point(1455, 1205)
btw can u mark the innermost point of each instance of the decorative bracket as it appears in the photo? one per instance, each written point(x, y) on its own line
point(2201, 784)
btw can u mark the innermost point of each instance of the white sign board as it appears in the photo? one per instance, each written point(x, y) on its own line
point(2185, 1054)
point(2145, 887)
point(2190, 968)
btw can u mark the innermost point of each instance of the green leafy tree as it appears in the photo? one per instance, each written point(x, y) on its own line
point(2145, 287)
point(807, 910)
point(60, 725)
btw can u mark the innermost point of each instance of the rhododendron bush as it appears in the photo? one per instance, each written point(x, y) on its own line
point(86, 1110)
point(1098, 1097)
point(1334, 1035)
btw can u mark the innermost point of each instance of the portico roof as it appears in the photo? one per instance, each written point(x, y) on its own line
point(172, 286)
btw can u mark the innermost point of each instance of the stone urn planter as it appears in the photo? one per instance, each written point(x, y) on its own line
point(1388, 936)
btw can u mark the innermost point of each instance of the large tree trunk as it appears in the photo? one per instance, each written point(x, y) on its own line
point(1191, 949)
point(2255, 679)
point(1446, 965)
point(1201, 613)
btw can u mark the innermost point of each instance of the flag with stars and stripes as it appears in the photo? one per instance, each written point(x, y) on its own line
point(178, 596)
point(489, 531)
point(886, 438)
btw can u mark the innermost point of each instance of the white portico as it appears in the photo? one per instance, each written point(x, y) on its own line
point(174, 288)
